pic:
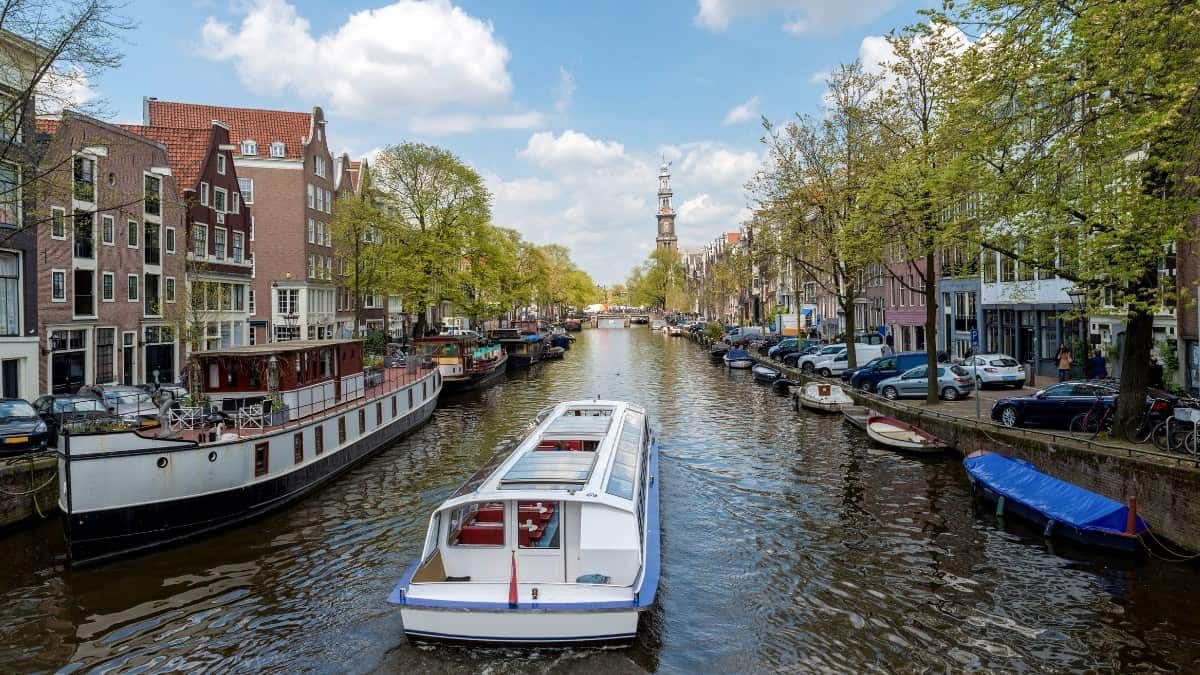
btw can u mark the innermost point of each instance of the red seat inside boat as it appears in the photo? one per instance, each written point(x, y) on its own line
point(527, 536)
point(534, 513)
point(490, 514)
point(482, 534)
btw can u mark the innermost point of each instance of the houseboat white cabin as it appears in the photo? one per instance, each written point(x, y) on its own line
point(556, 542)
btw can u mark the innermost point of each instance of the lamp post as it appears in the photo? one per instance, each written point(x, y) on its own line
point(1078, 296)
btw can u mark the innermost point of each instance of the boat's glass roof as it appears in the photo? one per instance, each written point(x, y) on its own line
point(569, 426)
point(562, 469)
point(625, 460)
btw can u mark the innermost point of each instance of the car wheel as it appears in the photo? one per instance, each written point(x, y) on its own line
point(890, 393)
point(1009, 417)
point(1018, 385)
point(950, 394)
point(807, 367)
point(865, 386)
point(825, 372)
point(978, 383)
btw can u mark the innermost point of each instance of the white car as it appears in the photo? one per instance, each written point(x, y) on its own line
point(999, 369)
point(808, 363)
point(836, 363)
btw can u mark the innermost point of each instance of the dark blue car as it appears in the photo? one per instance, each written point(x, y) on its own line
point(867, 377)
point(1053, 406)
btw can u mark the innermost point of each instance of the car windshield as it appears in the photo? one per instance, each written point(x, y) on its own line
point(127, 397)
point(831, 349)
point(1004, 362)
point(16, 409)
point(871, 363)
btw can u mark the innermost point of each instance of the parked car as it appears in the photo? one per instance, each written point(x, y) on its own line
point(794, 358)
point(777, 351)
point(58, 410)
point(849, 372)
point(1053, 406)
point(886, 367)
point(128, 403)
point(839, 361)
point(764, 344)
point(998, 369)
point(808, 362)
point(745, 334)
point(21, 429)
point(953, 383)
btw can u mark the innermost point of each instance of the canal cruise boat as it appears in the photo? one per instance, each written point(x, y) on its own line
point(465, 361)
point(553, 543)
point(523, 341)
point(280, 420)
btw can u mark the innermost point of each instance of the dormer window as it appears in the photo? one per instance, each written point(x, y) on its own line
point(249, 148)
point(277, 149)
point(221, 164)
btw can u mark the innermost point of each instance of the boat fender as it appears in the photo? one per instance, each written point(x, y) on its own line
point(1049, 528)
point(1000, 506)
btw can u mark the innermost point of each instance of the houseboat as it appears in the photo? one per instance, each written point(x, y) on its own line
point(276, 421)
point(555, 542)
point(523, 342)
point(465, 361)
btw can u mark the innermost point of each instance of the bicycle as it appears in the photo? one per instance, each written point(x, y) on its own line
point(1096, 419)
point(1177, 433)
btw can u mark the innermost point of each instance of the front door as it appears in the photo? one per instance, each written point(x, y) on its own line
point(66, 372)
point(128, 362)
point(541, 540)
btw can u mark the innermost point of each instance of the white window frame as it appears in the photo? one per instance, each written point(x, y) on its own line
point(312, 197)
point(63, 297)
point(225, 198)
point(251, 227)
point(278, 149)
point(61, 213)
point(250, 302)
point(328, 202)
point(221, 163)
point(112, 277)
point(133, 291)
point(247, 195)
point(196, 227)
point(203, 193)
point(249, 147)
point(241, 256)
point(219, 252)
point(112, 230)
point(169, 290)
point(236, 202)
point(171, 238)
point(319, 166)
point(312, 227)
point(136, 229)
point(320, 233)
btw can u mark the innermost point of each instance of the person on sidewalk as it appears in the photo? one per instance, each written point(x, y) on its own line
point(1098, 367)
point(1156, 374)
point(1064, 359)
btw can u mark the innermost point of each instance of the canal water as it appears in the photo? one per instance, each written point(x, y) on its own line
point(790, 544)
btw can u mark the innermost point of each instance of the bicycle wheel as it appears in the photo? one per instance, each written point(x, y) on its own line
point(1078, 423)
point(1138, 430)
point(1158, 436)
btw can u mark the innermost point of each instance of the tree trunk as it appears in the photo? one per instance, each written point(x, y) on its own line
point(1135, 374)
point(419, 326)
point(931, 318)
point(848, 310)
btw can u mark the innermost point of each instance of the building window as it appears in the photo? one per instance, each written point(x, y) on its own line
point(106, 340)
point(378, 412)
point(235, 203)
point(131, 233)
point(107, 227)
point(10, 294)
point(58, 223)
point(320, 439)
point(312, 198)
point(153, 190)
point(203, 194)
point(85, 235)
point(319, 166)
point(85, 300)
point(328, 201)
point(10, 195)
point(169, 290)
point(153, 304)
point(169, 239)
point(132, 287)
point(298, 447)
point(221, 163)
point(85, 179)
point(250, 302)
point(312, 232)
point(58, 286)
point(199, 240)
point(321, 233)
point(236, 254)
point(278, 149)
point(362, 422)
point(342, 429)
point(220, 199)
point(249, 148)
point(320, 199)
point(107, 284)
point(219, 243)
point(246, 185)
point(261, 459)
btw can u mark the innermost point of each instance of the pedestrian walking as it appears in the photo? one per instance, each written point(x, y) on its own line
point(1064, 360)
point(1098, 366)
point(1156, 374)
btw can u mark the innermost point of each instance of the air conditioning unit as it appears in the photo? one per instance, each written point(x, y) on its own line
point(220, 218)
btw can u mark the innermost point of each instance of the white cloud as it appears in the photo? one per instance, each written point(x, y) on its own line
point(742, 113)
point(570, 147)
point(425, 56)
point(456, 123)
point(59, 90)
point(801, 16)
point(566, 90)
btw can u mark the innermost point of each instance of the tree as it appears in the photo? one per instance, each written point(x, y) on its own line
point(1083, 121)
point(661, 281)
point(368, 257)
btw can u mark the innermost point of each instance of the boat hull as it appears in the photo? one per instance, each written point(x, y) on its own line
point(820, 406)
point(739, 364)
point(467, 384)
point(520, 627)
point(98, 535)
point(1130, 545)
point(931, 447)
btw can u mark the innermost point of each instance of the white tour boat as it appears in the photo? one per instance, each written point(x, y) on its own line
point(556, 542)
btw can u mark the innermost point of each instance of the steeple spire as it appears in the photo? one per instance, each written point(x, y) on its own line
point(666, 213)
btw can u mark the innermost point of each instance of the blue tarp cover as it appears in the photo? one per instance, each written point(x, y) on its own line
point(531, 338)
point(1066, 503)
point(738, 355)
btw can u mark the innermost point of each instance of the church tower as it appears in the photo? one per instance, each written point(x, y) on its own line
point(666, 214)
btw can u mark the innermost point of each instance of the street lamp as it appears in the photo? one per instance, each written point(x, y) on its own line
point(1078, 296)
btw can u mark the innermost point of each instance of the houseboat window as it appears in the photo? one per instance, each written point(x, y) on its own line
point(479, 524)
point(298, 447)
point(378, 412)
point(362, 421)
point(410, 400)
point(424, 394)
point(261, 458)
point(538, 524)
point(341, 430)
point(625, 458)
point(326, 363)
point(320, 439)
point(393, 406)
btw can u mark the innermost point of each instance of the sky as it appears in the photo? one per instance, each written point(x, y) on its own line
point(565, 108)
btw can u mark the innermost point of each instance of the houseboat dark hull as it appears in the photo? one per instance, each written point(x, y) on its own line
point(476, 380)
point(522, 354)
point(186, 509)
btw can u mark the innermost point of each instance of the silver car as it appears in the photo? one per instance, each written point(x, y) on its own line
point(131, 404)
point(1000, 369)
point(954, 382)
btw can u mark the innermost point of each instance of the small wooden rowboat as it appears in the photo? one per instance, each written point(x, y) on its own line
point(857, 415)
point(765, 373)
point(902, 435)
point(739, 358)
point(822, 397)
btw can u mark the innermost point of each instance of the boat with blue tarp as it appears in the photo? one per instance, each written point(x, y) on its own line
point(739, 358)
point(523, 341)
point(1058, 507)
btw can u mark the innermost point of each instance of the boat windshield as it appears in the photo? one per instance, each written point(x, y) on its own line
point(625, 462)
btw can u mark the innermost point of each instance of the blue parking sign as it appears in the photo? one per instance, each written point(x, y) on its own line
point(974, 338)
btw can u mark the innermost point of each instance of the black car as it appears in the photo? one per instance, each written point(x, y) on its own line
point(21, 429)
point(794, 358)
point(58, 410)
point(1055, 405)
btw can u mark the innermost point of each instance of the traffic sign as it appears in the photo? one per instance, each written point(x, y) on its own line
point(974, 338)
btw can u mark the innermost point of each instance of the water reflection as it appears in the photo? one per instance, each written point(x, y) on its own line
point(790, 543)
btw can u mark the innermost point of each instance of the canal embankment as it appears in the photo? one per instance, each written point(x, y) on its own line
point(28, 488)
point(1165, 485)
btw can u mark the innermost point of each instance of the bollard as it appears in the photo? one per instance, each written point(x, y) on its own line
point(1131, 516)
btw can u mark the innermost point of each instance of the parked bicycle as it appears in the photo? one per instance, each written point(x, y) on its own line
point(1177, 433)
point(1097, 418)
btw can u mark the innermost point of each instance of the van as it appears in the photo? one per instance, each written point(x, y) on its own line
point(892, 366)
point(839, 361)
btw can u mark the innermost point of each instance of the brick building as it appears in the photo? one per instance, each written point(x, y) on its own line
point(287, 174)
point(111, 257)
point(220, 260)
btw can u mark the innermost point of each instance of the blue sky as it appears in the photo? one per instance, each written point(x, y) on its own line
point(564, 108)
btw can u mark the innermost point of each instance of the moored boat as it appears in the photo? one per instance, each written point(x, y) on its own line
point(857, 415)
point(573, 325)
point(553, 353)
point(523, 342)
point(903, 436)
point(1058, 507)
point(822, 397)
point(738, 358)
point(465, 361)
point(287, 417)
point(765, 373)
point(718, 351)
point(556, 542)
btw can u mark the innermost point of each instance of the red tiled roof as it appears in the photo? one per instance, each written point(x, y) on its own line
point(733, 237)
point(186, 148)
point(262, 126)
point(46, 125)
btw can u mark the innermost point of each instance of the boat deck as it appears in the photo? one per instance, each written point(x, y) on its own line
point(394, 379)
